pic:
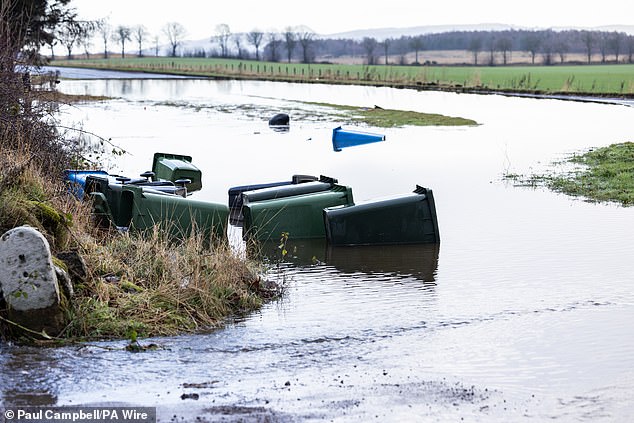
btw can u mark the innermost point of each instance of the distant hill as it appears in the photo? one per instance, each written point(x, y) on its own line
point(628, 29)
point(383, 33)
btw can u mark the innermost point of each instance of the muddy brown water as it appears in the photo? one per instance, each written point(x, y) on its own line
point(523, 313)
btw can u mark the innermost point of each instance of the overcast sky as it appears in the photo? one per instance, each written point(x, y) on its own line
point(201, 17)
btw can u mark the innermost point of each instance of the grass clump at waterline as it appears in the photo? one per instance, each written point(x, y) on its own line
point(603, 174)
point(606, 174)
point(153, 286)
point(390, 118)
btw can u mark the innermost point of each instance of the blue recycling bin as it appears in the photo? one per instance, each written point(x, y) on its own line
point(345, 138)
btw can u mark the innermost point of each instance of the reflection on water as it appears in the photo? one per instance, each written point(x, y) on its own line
point(418, 261)
point(383, 261)
point(524, 313)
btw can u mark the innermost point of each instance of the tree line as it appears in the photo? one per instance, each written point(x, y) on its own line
point(301, 44)
point(56, 25)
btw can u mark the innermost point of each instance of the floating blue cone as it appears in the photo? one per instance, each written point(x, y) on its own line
point(343, 138)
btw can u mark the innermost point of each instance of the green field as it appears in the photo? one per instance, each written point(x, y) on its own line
point(580, 79)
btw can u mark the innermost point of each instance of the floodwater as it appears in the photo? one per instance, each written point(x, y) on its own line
point(523, 313)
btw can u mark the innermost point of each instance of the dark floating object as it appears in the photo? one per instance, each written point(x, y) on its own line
point(280, 119)
point(404, 219)
point(345, 138)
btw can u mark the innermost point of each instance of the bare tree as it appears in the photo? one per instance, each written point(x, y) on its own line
point(369, 45)
point(122, 34)
point(504, 45)
point(587, 38)
point(274, 45)
point(562, 48)
point(547, 49)
point(53, 41)
point(52, 44)
point(475, 46)
point(223, 34)
point(255, 38)
point(290, 41)
point(175, 33)
point(140, 32)
point(104, 28)
point(615, 43)
point(306, 38)
point(157, 40)
point(603, 46)
point(70, 35)
point(237, 40)
point(85, 38)
point(417, 44)
point(491, 50)
point(630, 48)
point(532, 44)
point(386, 46)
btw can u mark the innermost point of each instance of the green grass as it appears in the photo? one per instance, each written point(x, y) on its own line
point(573, 79)
point(604, 174)
point(389, 118)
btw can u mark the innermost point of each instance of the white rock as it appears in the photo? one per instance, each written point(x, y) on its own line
point(27, 275)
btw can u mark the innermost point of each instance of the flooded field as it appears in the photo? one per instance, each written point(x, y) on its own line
point(523, 313)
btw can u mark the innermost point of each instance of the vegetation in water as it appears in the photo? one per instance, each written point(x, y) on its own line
point(390, 118)
point(603, 174)
point(327, 112)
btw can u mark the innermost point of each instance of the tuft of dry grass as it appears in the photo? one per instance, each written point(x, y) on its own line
point(151, 285)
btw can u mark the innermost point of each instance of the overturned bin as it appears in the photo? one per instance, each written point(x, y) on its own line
point(141, 208)
point(295, 209)
point(175, 168)
point(404, 219)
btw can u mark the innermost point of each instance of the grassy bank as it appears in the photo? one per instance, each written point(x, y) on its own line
point(603, 174)
point(146, 284)
point(596, 80)
point(125, 285)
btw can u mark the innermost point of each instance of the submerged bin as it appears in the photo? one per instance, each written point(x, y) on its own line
point(139, 209)
point(324, 184)
point(175, 167)
point(235, 193)
point(405, 219)
point(177, 215)
point(301, 216)
point(346, 138)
